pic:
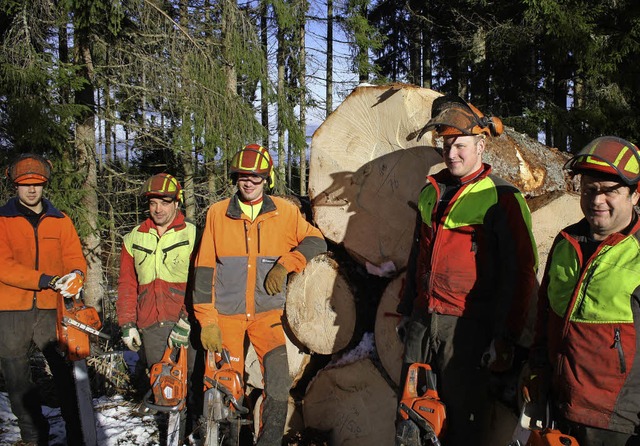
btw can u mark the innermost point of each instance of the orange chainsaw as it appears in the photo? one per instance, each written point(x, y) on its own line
point(168, 391)
point(75, 323)
point(169, 382)
point(223, 396)
point(536, 429)
point(423, 413)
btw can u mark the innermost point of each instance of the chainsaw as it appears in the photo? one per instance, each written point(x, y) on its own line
point(536, 429)
point(75, 323)
point(223, 397)
point(168, 393)
point(423, 413)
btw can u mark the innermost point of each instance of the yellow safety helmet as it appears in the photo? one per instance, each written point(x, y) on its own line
point(162, 185)
point(253, 159)
point(608, 155)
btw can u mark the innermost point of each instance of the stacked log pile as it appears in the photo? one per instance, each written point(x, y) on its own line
point(366, 171)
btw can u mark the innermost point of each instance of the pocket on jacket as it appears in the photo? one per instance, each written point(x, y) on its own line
point(231, 285)
point(265, 302)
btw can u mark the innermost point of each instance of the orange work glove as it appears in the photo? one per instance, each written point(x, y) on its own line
point(499, 356)
point(275, 279)
point(211, 338)
point(71, 284)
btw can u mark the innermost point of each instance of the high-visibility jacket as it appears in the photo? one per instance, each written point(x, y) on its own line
point(153, 273)
point(476, 259)
point(236, 254)
point(27, 252)
point(588, 320)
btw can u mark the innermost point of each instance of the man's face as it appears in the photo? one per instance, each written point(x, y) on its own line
point(30, 195)
point(163, 211)
point(250, 187)
point(463, 154)
point(607, 205)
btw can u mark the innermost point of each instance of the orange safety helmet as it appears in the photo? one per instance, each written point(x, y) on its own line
point(253, 159)
point(608, 155)
point(29, 168)
point(452, 115)
point(162, 185)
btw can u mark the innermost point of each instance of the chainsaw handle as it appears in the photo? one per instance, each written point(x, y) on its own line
point(147, 400)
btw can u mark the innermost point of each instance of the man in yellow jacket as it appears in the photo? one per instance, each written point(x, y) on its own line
point(38, 245)
point(250, 243)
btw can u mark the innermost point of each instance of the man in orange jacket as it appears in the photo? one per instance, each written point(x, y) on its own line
point(250, 243)
point(38, 244)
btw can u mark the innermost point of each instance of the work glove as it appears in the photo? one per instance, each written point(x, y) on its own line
point(179, 336)
point(71, 284)
point(275, 279)
point(131, 338)
point(47, 281)
point(499, 355)
point(211, 338)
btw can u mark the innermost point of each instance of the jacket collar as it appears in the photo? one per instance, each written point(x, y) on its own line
point(11, 209)
point(445, 177)
point(234, 210)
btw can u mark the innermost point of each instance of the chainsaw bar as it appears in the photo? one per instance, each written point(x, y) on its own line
point(85, 403)
point(67, 321)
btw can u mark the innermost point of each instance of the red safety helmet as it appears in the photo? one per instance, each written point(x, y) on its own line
point(608, 155)
point(29, 168)
point(253, 159)
point(452, 115)
point(162, 185)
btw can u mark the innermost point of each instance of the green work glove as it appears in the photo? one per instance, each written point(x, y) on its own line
point(179, 335)
point(131, 337)
point(275, 279)
point(211, 338)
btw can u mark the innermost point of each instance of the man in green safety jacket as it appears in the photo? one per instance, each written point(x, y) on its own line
point(470, 274)
point(154, 270)
point(586, 340)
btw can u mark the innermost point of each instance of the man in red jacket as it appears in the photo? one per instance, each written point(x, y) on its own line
point(470, 274)
point(38, 244)
point(154, 268)
point(586, 346)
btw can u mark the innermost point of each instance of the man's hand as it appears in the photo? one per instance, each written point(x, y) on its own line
point(499, 356)
point(179, 335)
point(131, 338)
point(535, 385)
point(275, 279)
point(211, 338)
point(71, 284)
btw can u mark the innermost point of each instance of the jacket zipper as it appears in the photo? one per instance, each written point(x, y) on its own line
point(166, 250)
point(259, 225)
point(246, 236)
point(617, 344)
point(143, 249)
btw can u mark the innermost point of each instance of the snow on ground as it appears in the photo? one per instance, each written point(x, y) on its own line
point(116, 424)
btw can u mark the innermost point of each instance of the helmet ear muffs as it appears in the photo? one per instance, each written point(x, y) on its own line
point(495, 126)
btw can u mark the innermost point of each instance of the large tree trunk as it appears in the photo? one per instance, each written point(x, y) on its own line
point(85, 145)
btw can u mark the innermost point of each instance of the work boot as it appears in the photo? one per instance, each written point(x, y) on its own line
point(274, 418)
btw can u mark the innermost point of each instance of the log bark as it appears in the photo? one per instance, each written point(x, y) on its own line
point(320, 307)
point(354, 403)
point(366, 170)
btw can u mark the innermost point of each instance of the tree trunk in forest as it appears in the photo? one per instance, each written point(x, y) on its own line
point(329, 70)
point(264, 84)
point(303, 99)
point(280, 60)
point(85, 146)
